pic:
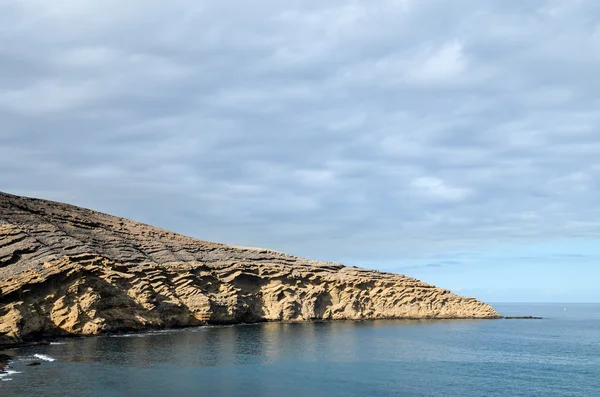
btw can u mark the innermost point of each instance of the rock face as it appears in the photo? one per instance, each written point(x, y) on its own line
point(66, 270)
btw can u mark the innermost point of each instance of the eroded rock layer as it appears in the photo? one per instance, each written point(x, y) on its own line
point(66, 270)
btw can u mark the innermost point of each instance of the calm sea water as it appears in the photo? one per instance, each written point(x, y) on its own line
point(556, 356)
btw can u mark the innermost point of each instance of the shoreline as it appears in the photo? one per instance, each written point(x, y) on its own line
point(49, 339)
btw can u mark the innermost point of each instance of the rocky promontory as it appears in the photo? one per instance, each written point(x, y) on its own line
point(66, 270)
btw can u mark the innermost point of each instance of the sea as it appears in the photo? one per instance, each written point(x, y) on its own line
point(558, 355)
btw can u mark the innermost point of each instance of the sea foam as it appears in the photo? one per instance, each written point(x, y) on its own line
point(3, 377)
point(44, 357)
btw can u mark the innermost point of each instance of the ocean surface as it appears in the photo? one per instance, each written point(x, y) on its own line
point(556, 356)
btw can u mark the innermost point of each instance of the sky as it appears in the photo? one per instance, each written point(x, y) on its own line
point(456, 142)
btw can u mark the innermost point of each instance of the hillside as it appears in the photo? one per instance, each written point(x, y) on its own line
point(66, 270)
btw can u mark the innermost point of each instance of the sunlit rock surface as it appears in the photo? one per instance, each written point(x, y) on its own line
point(66, 270)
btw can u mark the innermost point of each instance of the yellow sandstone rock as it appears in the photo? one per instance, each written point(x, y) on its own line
point(66, 270)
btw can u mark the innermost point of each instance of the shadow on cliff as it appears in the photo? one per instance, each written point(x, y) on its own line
point(85, 303)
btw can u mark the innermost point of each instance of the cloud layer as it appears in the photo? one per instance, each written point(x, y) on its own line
point(333, 129)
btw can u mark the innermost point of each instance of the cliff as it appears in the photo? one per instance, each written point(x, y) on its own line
point(66, 270)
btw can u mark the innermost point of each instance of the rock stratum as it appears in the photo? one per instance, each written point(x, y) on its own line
point(66, 270)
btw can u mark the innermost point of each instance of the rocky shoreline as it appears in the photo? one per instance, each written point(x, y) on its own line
point(66, 270)
point(5, 359)
point(49, 340)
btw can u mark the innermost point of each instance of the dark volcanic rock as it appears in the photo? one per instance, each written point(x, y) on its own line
point(4, 360)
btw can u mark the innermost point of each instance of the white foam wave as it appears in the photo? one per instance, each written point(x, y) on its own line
point(3, 377)
point(56, 343)
point(44, 357)
point(129, 336)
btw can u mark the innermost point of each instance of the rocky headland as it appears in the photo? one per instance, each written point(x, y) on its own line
point(66, 270)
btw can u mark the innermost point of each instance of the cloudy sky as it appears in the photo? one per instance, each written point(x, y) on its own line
point(454, 141)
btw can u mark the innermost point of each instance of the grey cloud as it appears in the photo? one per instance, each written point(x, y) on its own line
point(328, 129)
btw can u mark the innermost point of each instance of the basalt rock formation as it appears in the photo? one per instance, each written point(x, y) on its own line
point(66, 270)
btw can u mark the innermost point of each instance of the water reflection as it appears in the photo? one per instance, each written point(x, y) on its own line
point(264, 343)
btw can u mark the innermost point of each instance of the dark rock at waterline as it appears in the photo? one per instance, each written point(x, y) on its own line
point(522, 318)
point(34, 364)
point(4, 359)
